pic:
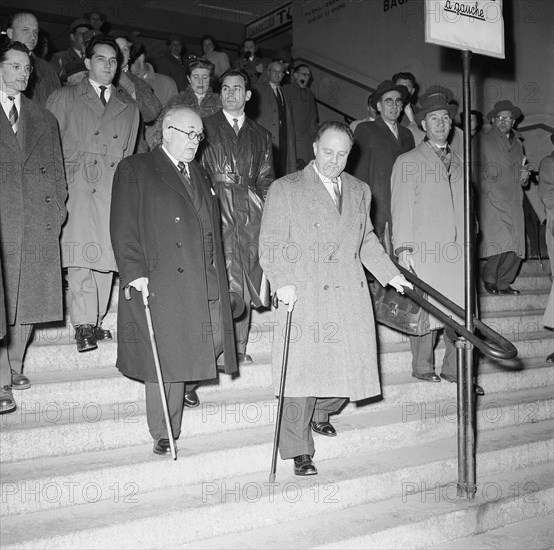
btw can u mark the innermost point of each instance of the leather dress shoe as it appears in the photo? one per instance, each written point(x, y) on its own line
point(550, 358)
point(491, 288)
point(323, 428)
point(244, 359)
point(102, 334)
point(303, 466)
point(7, 402)
point(191, 399)
point(86, 340)
point(476, 387)
point(427, 376)
point(508, 290)
point(162, 447)
point(20, 381)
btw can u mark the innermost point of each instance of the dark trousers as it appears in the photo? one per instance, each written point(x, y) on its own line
point(423, 356)
point(12, 351)
point(175, 391)
point(296, 435)
point(501, 269)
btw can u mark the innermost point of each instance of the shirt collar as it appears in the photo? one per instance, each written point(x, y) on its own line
point(229, 117)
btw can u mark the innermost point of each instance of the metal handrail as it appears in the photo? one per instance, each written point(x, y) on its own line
point(496, 345)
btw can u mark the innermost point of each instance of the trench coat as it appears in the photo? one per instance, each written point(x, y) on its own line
point(496, 171)
point(304, 241)
point(94, 140)
point(377, 149)
point(157, 233)
point(263, 109)
point(427, 207)
point(305, 119)
point(241, 171)
point(32, 209)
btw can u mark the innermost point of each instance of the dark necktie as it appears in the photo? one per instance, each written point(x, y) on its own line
point(103, 95)
point(279, 97)
point(336, 191)
point(13, 115)
point(191, 189)
point(236, 125)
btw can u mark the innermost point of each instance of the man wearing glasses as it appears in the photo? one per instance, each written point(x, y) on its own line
point(32, 209)
point(165, 229)
point(98, 124)
point(380, 143)
point(238, 159)
point(500, 170)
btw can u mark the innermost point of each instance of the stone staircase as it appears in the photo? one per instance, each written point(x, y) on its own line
point(77, 468)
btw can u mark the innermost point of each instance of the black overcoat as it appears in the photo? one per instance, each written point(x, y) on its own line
point(156, 233)
point(33, 191)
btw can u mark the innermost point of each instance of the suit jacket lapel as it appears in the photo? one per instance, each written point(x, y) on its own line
point(7, 134)
point(31, 126)
point(91, 98)
point(315, 190)
point(169, 175)
point(114, 106)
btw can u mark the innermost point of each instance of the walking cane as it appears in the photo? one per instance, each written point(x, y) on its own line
point(158, 368)
point(281, 387)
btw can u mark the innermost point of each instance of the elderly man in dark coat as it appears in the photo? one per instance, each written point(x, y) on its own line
point(98, 124)
point(316, 236)
point(238, 160)
point(499, 171)
point(165, 228)
point(23, 27)
point(379, 144)
point(428, 226)
point(32, 209)
point(304, 113)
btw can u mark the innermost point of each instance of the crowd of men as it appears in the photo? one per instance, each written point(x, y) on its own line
point(194, 189)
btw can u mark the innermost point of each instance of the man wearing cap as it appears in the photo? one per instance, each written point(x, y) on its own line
point(98, 124)
point(171, 62)
point(379, 145)
point(499, 169)
point(428, 226)
point(43, 80)
point(76, 52)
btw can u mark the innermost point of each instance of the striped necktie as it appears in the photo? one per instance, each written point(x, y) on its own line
point(13, 114)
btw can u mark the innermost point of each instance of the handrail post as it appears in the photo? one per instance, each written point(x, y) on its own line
point(466, 399)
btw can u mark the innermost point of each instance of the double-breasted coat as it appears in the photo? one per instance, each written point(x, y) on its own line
point(427, 205)
point(32, 209)
point(264, 109)
point(157, 233)
point(377, 149)
point(241, 171)
point(305, 242)
point(497, 163)
point(94, 139)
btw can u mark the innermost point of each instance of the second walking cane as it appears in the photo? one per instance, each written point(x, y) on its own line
point(158, 369)
point(281, 388)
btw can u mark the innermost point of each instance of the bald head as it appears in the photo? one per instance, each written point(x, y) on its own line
point(181, 131)
point(24, 28)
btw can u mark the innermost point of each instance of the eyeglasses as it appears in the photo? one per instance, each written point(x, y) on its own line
point(505, 118)
point(17, 67)
point(389, 102)
point(191, 135)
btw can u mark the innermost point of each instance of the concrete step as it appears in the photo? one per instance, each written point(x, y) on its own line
point(60, 429)
point(525, 282)
point(390, 484)
point(46, 482)
point(534, 267)
point(534, 534)
point(528, 299)
point(409, 521)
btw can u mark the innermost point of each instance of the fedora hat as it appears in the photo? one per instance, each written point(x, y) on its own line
point(80, 23)
point(385, 87)
point(432, 103)
point(504, 105)
point(437, 89)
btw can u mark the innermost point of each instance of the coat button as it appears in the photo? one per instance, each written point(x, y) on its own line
point(112, 164)
point(96, 133)
point(208, 234)
point(326, 287)
point(180, 269)
point(43, 170)
point(115, 136)
point(178, 245)
point(95, 162)
point(48, 226)
point(362, 284)
point(177, 219)
point(47, 199)
point(94, 190)
point(317, 225)
point(355, 255)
